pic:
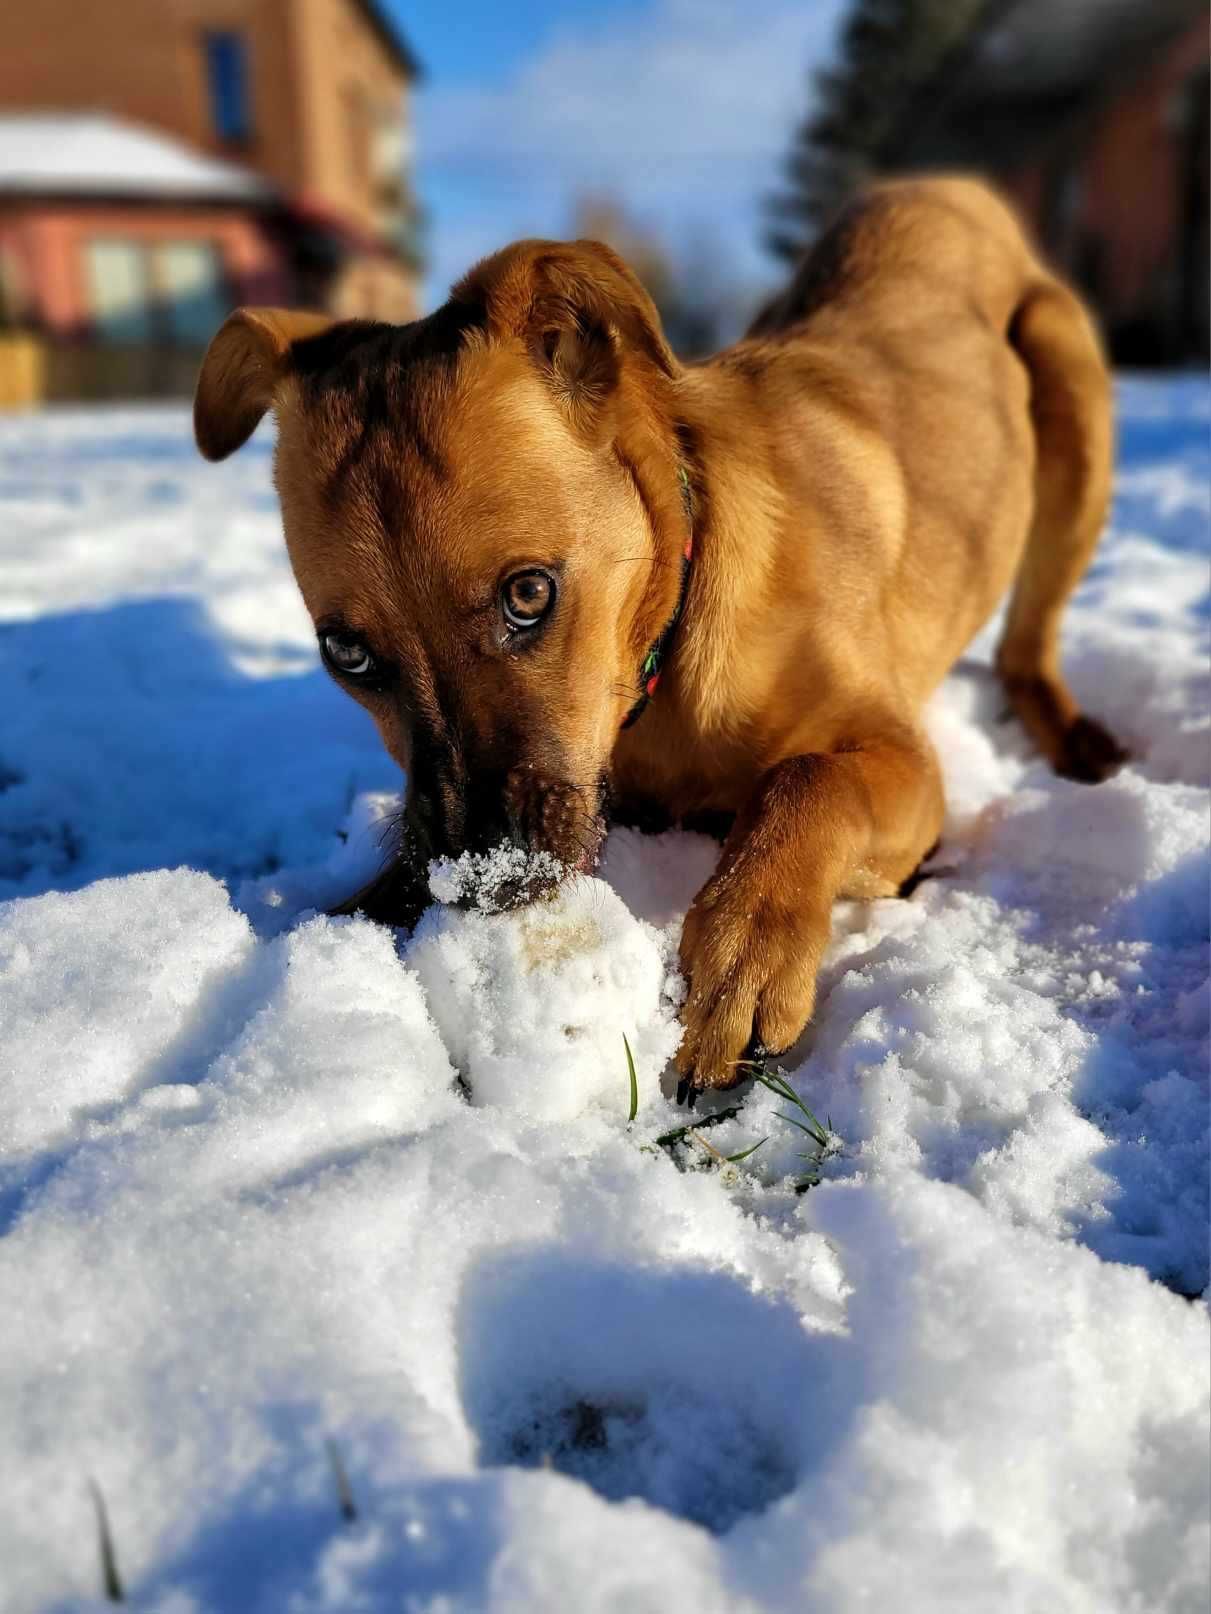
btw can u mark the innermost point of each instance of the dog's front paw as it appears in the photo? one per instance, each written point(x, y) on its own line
point(750, 961)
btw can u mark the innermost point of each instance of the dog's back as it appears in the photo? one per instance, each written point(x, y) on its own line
point(924, 351)
point(907, 251)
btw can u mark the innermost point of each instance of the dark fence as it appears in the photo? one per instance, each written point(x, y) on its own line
point(34, 370)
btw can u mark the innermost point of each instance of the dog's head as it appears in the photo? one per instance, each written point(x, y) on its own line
point(484, 516)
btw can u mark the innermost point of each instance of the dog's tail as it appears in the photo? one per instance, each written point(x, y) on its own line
point(1071, 410)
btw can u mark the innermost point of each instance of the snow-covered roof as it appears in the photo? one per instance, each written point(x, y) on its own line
point(94, 155)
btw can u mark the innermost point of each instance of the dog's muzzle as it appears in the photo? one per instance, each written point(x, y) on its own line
point(523, 808)
point(553, 816)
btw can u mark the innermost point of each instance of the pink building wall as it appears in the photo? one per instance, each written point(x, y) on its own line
point(46, 243)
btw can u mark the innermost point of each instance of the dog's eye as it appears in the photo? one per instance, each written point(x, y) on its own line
point(526, 597)
point(346, 654)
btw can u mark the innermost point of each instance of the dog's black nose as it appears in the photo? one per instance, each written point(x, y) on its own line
point(488, 821)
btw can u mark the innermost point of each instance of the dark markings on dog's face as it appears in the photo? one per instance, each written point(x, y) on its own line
point(423, 467)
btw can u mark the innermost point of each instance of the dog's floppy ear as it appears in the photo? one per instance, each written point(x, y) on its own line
point(240, 374)
point(579, 309)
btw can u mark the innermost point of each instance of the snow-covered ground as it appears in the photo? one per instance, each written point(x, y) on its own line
point(276, 1191)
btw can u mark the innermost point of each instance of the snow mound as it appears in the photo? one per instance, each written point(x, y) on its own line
point(85, 1029)
point(335, 1259)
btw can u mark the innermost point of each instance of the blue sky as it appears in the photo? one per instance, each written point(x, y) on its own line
point(682, 109)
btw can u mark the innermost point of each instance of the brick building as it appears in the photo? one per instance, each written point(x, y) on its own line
point(1093, 115)
point(163, 160)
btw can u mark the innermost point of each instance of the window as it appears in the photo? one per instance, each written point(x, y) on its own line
point(227, 83)
point(169, 293)
point(118, 292)
point(391, 146)
point(189, 291)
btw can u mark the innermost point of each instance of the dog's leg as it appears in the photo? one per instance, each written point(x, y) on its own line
point(849, 823)
point(1070, 408)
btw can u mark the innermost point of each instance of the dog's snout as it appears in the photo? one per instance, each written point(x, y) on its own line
point(452, 813)
point(554, 815)
point(523, 807)
point(437, 795)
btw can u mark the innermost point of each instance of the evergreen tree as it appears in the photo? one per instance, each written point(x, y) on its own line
point(890, 51)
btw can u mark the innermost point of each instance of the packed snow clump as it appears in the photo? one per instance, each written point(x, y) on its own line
point(490, 881)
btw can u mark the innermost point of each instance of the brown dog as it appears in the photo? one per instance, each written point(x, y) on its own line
point(489, 513)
